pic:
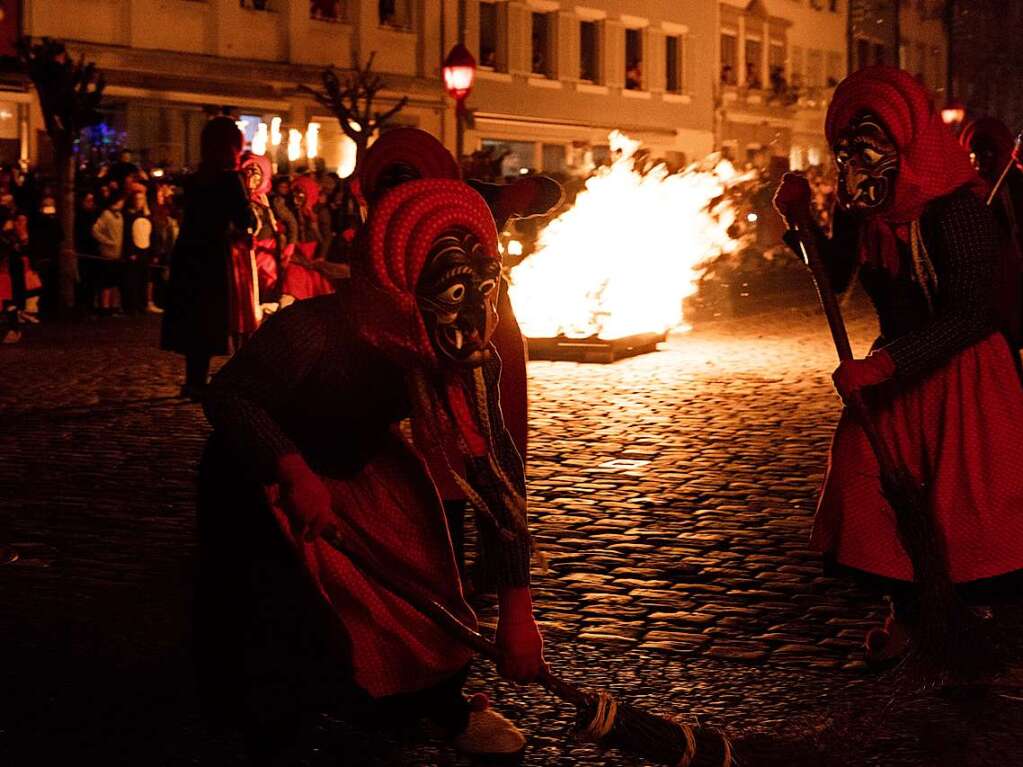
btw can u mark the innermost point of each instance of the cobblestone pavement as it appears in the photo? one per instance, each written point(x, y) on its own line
point(673, 494)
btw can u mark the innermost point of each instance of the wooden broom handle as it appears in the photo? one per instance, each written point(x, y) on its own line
point(804, 235)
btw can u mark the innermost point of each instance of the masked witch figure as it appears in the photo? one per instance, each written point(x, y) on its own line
point(940, 381)
point(211, 306)
point(267, 241)
point(308, 273)
point(990, 144)
point(310, 408)
point(408, 154)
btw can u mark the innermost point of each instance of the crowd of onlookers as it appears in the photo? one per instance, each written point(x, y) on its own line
point(126, 222)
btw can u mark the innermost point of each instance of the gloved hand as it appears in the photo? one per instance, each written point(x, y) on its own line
point(518, 637)
point(852, 376)
point(792, 200)
point(1017, 155)
point(305, 498)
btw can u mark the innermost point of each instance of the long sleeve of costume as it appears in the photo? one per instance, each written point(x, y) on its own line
point(507, 561)
point(287, 220)
point(257, 381)
point(967, 243)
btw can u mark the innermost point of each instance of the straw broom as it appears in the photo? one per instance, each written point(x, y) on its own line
point(951, 641)
point(600, 718)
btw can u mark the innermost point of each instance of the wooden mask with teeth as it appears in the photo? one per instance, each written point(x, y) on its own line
point(457, 296)
point(868, 163)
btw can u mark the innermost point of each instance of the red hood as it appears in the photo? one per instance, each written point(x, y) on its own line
point(402, 228)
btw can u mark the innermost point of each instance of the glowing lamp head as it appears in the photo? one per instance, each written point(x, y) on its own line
point(294, 144)
point(459, 72)
point(953, 114)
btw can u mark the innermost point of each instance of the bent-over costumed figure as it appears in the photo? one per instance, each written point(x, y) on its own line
point(311, 408)
point(408, 154)
point(940, 381)
point(211, 303)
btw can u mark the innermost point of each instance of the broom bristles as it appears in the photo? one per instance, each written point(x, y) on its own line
point(613, 724)
point(950, 641)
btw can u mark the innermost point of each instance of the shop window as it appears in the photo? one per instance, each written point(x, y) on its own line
point(553, 158)
point(588, 37)
point(634, 59)
point(488, 35)
point(729, 58)
point(517, 156)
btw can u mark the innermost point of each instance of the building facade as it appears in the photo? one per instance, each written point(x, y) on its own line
point(171, 63)
point(556, 77)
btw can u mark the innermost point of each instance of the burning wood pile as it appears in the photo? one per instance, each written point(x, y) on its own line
point(610, 274)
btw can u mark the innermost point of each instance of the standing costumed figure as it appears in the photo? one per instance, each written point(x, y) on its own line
point(940, 382)
point(310, 409)
point(407, 154)
point(308, 273)
point(266, 239)
point(211, 304)
point(990, 144)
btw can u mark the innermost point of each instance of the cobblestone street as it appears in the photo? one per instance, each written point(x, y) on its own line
point(673, 494)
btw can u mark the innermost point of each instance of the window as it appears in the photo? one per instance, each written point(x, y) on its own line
point(541, 44)
point(488, 35)
point(673, 64)
point(729, 58)
point(554, 158)
point(326, 10)
point(880, 54)
point(588, 51)
point(776, 66)
point(633, 59)
point(797, 67)
point(835, 68)
point(517, 157)
point(833, 6)
point(255, 5)
point(395, 13)
point(814, 69)
point(754, 64)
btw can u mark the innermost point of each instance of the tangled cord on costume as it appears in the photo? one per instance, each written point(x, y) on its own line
point(433, 419)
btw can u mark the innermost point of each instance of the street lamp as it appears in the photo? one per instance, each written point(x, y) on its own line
point(459, 73)
point(953, 114)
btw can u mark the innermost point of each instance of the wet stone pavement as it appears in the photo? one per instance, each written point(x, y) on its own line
point(672, 493)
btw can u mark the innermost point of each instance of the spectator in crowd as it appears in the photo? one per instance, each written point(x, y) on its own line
point(135, 264)
point(207, 312)
point(109, 233)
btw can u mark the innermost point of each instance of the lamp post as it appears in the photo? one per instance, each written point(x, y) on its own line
point(459, 73)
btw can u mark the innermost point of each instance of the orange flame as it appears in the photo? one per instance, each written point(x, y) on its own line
point(624, 257)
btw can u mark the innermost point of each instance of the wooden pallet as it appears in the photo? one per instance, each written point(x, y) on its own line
point(593, 349)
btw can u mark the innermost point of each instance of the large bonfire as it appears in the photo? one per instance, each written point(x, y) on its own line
point(622, 259)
